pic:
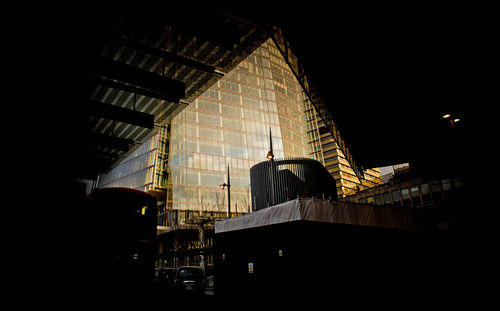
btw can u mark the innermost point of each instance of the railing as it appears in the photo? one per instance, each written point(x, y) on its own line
point(298, 70)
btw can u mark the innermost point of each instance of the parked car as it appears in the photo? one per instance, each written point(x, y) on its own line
point(189, 281)
point(164, 277)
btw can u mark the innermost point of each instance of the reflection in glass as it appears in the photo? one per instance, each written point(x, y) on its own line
point(229, 124)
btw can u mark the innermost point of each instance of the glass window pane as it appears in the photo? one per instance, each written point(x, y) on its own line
point(387, 198)
point(208, 118)
point(203, 161)
point(192, 145)
point(189, 159)
point(446, 184)
point(191, 130)
point(190, 114)
point(405, 193)
point(415, 193)
point(196, 160)
point(210, 163)
point(425, 189)
point(216, 163)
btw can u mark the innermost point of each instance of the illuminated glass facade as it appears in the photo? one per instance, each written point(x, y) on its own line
point(229, 125)
point(137, 170)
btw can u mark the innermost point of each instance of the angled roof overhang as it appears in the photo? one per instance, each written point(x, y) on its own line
point(145, 64)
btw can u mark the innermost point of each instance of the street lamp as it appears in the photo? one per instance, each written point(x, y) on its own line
point(453, 119)
point(228, 185)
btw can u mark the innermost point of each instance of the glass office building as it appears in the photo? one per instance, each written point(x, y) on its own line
point(229, 124)
point(143, 168)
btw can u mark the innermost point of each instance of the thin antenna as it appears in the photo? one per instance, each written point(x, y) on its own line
point(270, 140)
point(270, 154)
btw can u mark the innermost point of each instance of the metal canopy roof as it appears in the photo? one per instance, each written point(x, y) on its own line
point(144, 66)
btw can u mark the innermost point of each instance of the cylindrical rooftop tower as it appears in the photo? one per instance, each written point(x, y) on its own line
point(280, 180)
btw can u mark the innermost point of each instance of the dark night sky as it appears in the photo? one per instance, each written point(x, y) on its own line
point(386, 72)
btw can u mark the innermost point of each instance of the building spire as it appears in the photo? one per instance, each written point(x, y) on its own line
point(270, 154)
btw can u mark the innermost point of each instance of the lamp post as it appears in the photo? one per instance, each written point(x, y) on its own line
point(228, 185)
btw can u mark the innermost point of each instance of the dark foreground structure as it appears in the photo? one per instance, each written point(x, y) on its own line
point(118, 244)
point(319, 251)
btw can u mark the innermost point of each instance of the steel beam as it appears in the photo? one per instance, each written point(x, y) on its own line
point(139, 46)
point(139, 79)
point(130, 89)
point(117, 113)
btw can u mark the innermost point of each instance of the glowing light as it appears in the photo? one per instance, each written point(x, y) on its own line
point(270, 155)
point(446, 116)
